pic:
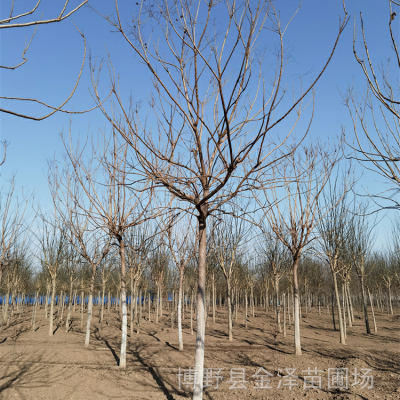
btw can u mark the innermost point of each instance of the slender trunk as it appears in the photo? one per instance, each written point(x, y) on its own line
point(90, 308)
point(180, 339)
point(157, 301)
point(350, 302)
point(102, 302)
point(347, 306)
point(390, 299)
point(201, 287)
point(278, 316)
point(245, 310)
point(229, 304)
point(213, 299)
point(139, 313)
point(161, 302)
point(149, 307)
point(297, 343)
point(52, 306)
point(333, 312)
point(372, 310)
point(74, 301)
point(62, 305)
point(34, 311)
point(252, 301)
point(284, 316)
point(69, 308)
point(82, 294)
point(344, 312)
point(46, 302)
point(288, 309)
point(191, 312)
point(122, 358)
point(364, 300)
point(339, 311)
point(108, 307)
point(131, 316)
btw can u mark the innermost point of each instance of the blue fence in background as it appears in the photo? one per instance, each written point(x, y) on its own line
point(30, 299)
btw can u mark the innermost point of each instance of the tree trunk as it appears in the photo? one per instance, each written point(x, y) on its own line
point(372, 310)
point(52, 306)
point(133, 287)
point(122, 359)
point(157, 301)
point(34, 311)
point(284, 316)
point(364, 300)
point(90, 307)
point(350, 301)
point(339, 311)
point(229, 304)
point(191, 312)
point(69, 308)
point(139, 313)
point(180, 338)
point(245, 310)
point(213, 300)
point(102, 302)
point(333, 312)
point(390, 299)
point(278, 316)
point(296, 319)
point(201, 288)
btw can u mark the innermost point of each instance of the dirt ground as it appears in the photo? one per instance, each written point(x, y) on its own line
point(256, 365)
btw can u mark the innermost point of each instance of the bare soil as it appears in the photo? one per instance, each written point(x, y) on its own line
point(34, 365)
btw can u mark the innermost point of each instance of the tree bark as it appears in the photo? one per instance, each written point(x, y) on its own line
point(296, 319)
point(372, 310)
point(52, 306)
point(180, 338)
point(122, 359)
point(69, 308)
point(201, 288)
point(364, 300)
point(229, 304)
point(90, 308)
point(339, 311)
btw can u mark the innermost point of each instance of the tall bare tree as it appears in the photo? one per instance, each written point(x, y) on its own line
point(376, 114)
point(360, 245)
point(12, 228)
point(215, 114)
point(334, 231)
point(110, 204)
point(292, 208)
point(227, 239)
point(178, 237)
point(52, 244)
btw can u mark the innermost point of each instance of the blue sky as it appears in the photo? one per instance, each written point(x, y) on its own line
point(55, 56)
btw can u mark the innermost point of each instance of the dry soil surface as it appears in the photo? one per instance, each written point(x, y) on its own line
point(257, 364)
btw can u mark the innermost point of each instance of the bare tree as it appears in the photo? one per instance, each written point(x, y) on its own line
point(334, 234)
point(292, 208)
point(360, 244)
point(215, 115)
point(376, 114)
point(12, 229)
point(275, 259)
point(227, 237)
point(113, 206)
point(52, 251)
point(178, 237)
point(77, 226)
